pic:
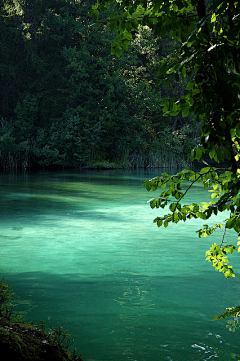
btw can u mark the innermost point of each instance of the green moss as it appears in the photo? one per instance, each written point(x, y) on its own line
point(24, 342)
point(13, 347)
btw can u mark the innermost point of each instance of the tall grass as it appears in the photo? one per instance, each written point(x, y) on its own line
point(163, 158)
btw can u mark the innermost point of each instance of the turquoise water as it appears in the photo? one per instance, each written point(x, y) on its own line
point(81, 251)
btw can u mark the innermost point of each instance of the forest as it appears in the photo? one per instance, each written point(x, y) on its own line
point(65, 101)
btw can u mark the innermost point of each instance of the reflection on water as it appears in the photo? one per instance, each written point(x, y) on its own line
point(81, 251)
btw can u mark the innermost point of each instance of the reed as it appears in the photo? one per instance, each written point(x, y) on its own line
point(162, 158)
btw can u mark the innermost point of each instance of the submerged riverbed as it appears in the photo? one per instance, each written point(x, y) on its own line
point(81, 251)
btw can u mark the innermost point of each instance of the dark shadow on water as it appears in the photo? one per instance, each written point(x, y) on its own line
point(124, 316)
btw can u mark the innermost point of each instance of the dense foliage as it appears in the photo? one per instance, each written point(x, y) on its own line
point(65, 101)
point(208, 57)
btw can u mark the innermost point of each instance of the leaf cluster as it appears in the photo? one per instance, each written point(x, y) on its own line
point(7, 298)
point(224, 188)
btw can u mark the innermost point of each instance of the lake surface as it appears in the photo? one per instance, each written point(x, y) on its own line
point(81, 251)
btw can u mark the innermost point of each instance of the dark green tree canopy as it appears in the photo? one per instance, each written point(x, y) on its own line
point(56, 73)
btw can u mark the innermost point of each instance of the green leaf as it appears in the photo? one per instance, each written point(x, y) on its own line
point(213, 18)
point(198, 153)
point(118, 51)
point(230, 223)
point(238, 130)
point(185, 112)
point(134, 23)
point(113, 50)
point(153, 203)
point(113, 25)
point(93, 13)
point(184, 71)
point(128, 35)
point(165, 106)
point(172, 207)
point(175, 217)
point(190, 85)
point(212, 153)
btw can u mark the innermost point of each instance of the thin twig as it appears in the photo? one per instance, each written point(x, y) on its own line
point(225, 231)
